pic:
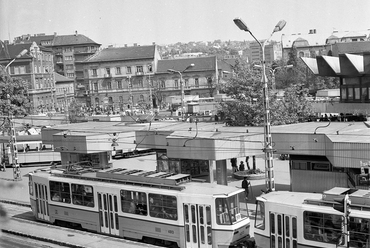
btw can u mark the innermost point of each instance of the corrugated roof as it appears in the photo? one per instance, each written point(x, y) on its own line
point(74, 39)
point(123, 53)
point(200, 64)
point(358, 47)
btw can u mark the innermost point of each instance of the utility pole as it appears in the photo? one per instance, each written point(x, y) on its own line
point(13, 145)
point(150, 95)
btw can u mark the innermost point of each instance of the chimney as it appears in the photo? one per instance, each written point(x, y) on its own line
point(76, 33)
point(153, 43)
point(314, 31)
point(135, 44)
point(55, 33)
point(125, 45)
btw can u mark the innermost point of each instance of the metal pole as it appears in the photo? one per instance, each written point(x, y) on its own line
point(150, 95)
point(13, 144)
point(182, 97)
point(269, 166)
point(130, 88)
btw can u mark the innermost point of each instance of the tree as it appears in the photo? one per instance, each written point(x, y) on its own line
point(246, 108)
point(13, 90)
point(75, 112)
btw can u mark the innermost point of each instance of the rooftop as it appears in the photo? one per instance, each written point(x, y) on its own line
point(123, 53)
point(200, 64)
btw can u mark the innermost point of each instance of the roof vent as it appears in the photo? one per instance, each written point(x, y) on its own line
point(135, 44)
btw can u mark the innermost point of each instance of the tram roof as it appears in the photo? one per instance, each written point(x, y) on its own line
point(290, 198)
point(178, 182)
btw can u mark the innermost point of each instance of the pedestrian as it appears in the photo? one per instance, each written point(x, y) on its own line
point(247, 162)
point(234, 165)
point(241, 166)
point(3, 167)
point(245, 186)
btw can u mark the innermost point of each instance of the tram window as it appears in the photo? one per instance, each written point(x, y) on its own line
point(294, 227)
point(60, 192)
point(208, 214)
point(202, 237)
point(186, 210)
point(83, 195)
point(134, 202)
point(209, 235)
point(201, 217)
point(260, 216)
point(194, 233)
point(359, 235)
point(279, 224)
point(115, 204)
point(163, 206)
point(193, 214)
point(287, 226)
point(272, 222)
point(322, 227)
point(187, 228)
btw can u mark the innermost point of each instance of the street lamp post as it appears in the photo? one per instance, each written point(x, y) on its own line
point(182, 86)
point(12, 132)
point(269, 166)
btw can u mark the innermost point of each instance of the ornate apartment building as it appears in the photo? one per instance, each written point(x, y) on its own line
point(35, 67)
point(118, 78)
point(69, 52)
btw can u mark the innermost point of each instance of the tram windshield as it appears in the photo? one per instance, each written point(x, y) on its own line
point(230, 210)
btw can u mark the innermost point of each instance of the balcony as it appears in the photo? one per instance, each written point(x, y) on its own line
point(107, 75)
point(139, 73)
point(59, 61)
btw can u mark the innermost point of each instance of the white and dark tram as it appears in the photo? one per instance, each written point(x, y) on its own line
point(154, 207)
point(293, 219)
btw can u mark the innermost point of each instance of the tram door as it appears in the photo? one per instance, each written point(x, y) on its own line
point(283, 230)
point(108, 213)
point(42, 201)
point(198, 225)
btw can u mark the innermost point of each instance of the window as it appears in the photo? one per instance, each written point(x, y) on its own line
point(259, 222)
point(118, 70)
point(94, 72)
point(70, 75)
point(109, 85)
point(139, 68)
point(163, 84)
point(229, 210)
point(150, 68)
point(68, 49)
point(134, 202)
point(196, 82)
point(60, 192)
point(95, 86)
point(209, 82)
point(187, 83)
point(359, 232)
point(69, 67)
point(68, 58)
point(119, 84)
point(176, 83)
point(129, 70)
point(322, 227)
point(163, 206)
point(107, 70)
point(82, 195)
point(140, 83)
point(141, 98)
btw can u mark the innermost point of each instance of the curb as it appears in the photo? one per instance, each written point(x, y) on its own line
point(41, 238)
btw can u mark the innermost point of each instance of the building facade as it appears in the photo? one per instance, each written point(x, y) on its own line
point(273, 51)
point(36, 68)
point(200, 79)
point(69, 53)
point(120, 78)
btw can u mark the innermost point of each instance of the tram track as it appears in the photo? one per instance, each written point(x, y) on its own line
point(19, 214)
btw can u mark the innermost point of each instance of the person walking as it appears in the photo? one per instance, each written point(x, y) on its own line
point(245, 186)
point(241, 166)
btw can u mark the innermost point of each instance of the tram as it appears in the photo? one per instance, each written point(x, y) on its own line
point(293, 219)
point(155, 207)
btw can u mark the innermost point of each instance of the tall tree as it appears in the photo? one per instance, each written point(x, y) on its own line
point(13, 96)
point(246, 108)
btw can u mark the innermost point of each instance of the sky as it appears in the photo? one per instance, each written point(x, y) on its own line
point(119, 22)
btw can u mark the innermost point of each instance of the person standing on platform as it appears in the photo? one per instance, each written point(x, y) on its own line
point(234, 165)
point(241, 166)
point(245, 186)
point(247, 162)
